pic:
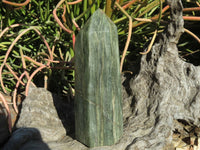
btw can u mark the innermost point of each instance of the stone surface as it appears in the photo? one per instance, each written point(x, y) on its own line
point(26, 139)
point(39, 110)
point(165, 90)
point(98, 99)
point(4, 131)
point(44, 121)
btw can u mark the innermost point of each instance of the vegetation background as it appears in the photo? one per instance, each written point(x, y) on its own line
point(37, 38)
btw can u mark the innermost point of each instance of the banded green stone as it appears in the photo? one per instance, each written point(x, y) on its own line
point(98, 100)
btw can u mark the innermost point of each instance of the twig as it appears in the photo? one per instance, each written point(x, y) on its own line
point(190, 53)
point(33, 61)
point(191, 9)
point(12, 45)
point(75, 24)
point(16, 4)
point(191, 18)
point(58, 20)
point(63, 68)
point(144, 19)
point(75, 2)
point(108, 9)
point(31, 77)
point(9, 68)
point(45, 81)
point(7, 54)
point(15, 93)
point(7, 28)
point(130, 3)
point(192, 34)
point(198, 3)
point(73, 40)
point(22, 58)
point(156, 31)
point(151, 43)
point(63, 15)
point(129, 35)
point(56, 61)
point(155, 18)
point(61, 55)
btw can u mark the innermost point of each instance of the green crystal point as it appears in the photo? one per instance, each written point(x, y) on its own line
point(98, 99)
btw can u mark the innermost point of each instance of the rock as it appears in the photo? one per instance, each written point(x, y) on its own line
point(44, 121)
point(26, 139)
point(4, 131)
point(98, 100)
point(166, 89)
point(39, 111)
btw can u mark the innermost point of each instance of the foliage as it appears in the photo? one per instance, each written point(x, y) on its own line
point(39, 40)
point(39, 15)
point(188, 45)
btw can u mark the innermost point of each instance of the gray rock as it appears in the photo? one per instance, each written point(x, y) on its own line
point(43, 123)
point(165, 89)
point(26, 139)
point(38, 111)
point(4, 131)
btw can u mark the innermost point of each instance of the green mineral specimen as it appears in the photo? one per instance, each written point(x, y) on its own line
point(98, 100)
